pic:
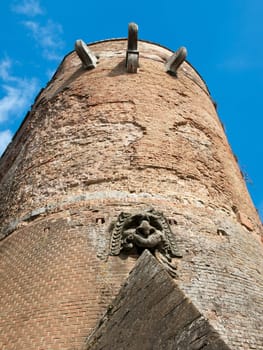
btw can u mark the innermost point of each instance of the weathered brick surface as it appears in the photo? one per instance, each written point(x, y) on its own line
point(55, 283)
point(102, 141)
point(152, 313)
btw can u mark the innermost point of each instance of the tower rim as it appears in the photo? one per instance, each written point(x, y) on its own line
point(140, 40)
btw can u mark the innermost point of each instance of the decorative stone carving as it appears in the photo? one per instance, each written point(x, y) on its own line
point(146, 230)
point(175, 61)
point(132, 54)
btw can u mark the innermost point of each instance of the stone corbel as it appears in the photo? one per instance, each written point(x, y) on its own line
point(87, 57)
point(175, 61)
point(132, 53)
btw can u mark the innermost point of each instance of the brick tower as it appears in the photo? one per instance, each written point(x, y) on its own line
point(122, 201)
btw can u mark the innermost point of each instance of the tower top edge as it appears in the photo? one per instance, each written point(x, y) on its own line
point(150, 42)
point(125, 39)
point(143, 47)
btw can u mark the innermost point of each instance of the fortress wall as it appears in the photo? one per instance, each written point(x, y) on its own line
point(103, 141)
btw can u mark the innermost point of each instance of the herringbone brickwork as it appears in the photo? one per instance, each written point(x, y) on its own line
point(103, 141)
point(53, 285)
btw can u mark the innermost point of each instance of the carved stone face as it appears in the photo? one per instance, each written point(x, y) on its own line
point(147, 230)
point(142, 231)
point(143, 223)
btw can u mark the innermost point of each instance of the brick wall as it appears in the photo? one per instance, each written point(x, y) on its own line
point(161, 315)
point(102, 141)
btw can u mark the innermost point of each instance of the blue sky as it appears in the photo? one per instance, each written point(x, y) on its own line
point(223, 38)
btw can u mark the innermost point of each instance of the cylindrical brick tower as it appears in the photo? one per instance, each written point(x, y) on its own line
point(100, 142)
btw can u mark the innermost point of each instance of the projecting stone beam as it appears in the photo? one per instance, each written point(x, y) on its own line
point(175, 61)
point(132, 54)
point(87, 57)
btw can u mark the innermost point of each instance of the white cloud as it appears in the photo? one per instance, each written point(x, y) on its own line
point(5, 66)
point(5, 138)
point(47, 37)
point(16, 98)
point(17, 92)
point(29, 8)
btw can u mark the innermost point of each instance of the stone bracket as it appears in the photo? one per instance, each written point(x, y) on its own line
point(87, 57)
point(132, 53)
point(175, 61)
